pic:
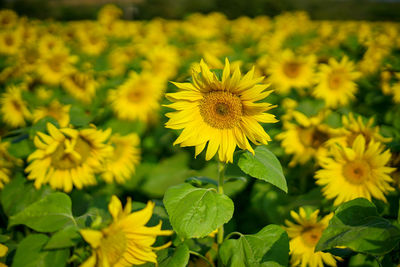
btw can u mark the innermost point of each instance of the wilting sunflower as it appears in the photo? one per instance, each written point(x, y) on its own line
point(304, 236)
point(126, 155)
point(55, 110)
point(290, 70)
point(14, 109)
point(137, 98)
point(223, 113)
point(80, 86)
point(68, 157)
point(127, 240)
point(336, 84)
point(306, 137)
point(360, 170)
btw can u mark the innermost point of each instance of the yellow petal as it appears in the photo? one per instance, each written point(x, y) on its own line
point(92, 237)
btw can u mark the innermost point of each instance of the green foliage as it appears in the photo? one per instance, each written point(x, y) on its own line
point(268, 247)
point(264, 166)
point(357, 225)
point(196, 212)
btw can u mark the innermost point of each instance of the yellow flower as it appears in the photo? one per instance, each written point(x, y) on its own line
point(49, 44)
point(305, 138)
point(223, 113)
point(3, 252)
point(137, 98)
point(92, 42)
point(14, 109)
point(121, 165)
point(55, 110)
point(360, 170)
point(80, 85)
point(163, 61)
point(304, 236)
point(10, 42)
point(127, 240)
point(7, 162)
point(53, 67)
point(68, 157)
point(290, 70)
point(336, 84)
point(109, 13)
point(8, 18)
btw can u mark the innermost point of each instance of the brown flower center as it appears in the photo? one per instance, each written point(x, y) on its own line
point(311, 235)
point(62, 159)
point(336, 79)
point(356, 171)
point(292, 69)
point(222, 110)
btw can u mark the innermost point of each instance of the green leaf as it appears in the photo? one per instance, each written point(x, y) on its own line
point(196, 212)
point(26, 193)
point(264, 166)
point(67, 237)
point(357, 225)
point(29, 253)
point(49, 214)
point(180, 258)
point(269, 247)
point(21, 149)
point(78, 116)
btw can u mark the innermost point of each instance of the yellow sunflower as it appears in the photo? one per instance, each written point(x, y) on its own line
point(80, 86)
point(55, 110)
point(336, 84)
point(8, 18)
point(137, 98)
point(360, 170)
point(14, 109)
point(3, 252)
point(306, 137)
point(53, 67)
point(304, 236)
point(68, 157)
point(121, 165)
point(127, 240)
point(291, 71)
point(7, 162)
point(223, 113)
point(10, 42)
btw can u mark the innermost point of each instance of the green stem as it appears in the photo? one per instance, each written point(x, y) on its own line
point(201, 256)
point(232, 234)
point(220, 235)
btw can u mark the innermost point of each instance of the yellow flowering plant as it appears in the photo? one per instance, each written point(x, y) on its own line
point(205, 141)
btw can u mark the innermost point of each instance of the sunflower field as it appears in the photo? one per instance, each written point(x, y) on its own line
point(199, 142)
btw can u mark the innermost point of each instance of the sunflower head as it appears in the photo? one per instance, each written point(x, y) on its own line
point(220, 112)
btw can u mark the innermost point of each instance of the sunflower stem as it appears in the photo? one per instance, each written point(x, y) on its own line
point(201, 256)
point(220, 234)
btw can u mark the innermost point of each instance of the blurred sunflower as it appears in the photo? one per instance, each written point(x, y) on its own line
point(10, 42)
point(55, 110)
point(8, 18)
point(360, 170)
point(304, 236)
point(396, 89)
point(14, 109)
point(291, 71)
point(126, 155)
point(80, 86)
point(68, 157)
point(7, 162)
point(306, 137)
point(137, 98)
point(127, 240)
point(53, 67)
point(336, 84)
point(223, 113)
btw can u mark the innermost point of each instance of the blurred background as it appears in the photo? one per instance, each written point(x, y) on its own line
point(374, 10)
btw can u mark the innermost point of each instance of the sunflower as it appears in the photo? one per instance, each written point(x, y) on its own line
point(8, 18)
point(127, 240)
point(360, 170)
point(291, 71)
point(68, 157)
point(10, 42)
point(53, 67)
point(55, 110)
point(121, 165)
point(3, 252)
point(7, 162)
point(304, 236)
point(306, 137)
point(137, 98)
point(223, 113)
point(336, 84)
point(80, 86)
point(14, 109)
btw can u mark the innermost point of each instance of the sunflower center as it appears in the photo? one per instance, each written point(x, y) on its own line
point(135, 95)
point(79, 81)
point(311, 236)
point(114, 246)
point(222, 110)
point(292, 69)
point(335, 80)
point(9, 41)
point(312, 137)
point(356, 172)
point(64, 158)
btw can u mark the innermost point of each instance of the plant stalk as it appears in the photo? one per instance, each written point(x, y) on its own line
point(220, 234)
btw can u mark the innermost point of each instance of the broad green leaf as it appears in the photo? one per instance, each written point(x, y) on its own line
point(30, 254)
point(263, 165)
point(49, 214)
point(66, 237)
point(357, 225)
point(196, 212)
point(269, 247)
point(180, 258)
point(78, 116)
point(21, 147)
point(26, 193)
